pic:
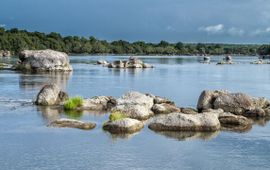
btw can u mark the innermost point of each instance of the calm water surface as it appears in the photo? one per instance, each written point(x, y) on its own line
point(26, 142)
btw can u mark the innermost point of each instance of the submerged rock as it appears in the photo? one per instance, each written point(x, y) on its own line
point(43, 60)
point(185, 122)
point(125, 125)
point(98, 103)
point(51, 95)
point(135, 105)
point(164, 108)
point(72, 124)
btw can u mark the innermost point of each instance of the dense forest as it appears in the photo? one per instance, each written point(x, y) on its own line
point(16, 40)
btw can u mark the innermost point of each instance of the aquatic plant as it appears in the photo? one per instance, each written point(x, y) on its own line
point(73, 103)
point(116, 116)
point(74, 114)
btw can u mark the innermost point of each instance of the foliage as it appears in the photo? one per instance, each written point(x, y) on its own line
point(74, 114)
point(16, 40)
point(73, 103)
point(116, 116)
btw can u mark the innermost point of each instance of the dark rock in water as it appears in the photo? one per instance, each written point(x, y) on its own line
point(164, 108)
point(257, 112)
point(185, 122)
point(125, 125)
point(71, 123)
point(43, 60)
point(51, 95)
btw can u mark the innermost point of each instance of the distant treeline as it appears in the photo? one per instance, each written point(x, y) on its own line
point(16, 40)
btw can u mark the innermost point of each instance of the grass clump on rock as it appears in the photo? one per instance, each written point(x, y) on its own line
point(116, 116)
point(73, 103)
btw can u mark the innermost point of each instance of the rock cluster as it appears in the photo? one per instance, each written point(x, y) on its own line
point(226, 60)
point(132, 62)
point(216, 110)
point(5, 53)
point(236, 103)
point(43, 60)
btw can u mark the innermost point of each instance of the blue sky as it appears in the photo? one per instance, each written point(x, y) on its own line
point(228, 21)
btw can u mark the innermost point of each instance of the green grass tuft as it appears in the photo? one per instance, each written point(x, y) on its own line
point(73, 103)
point(116, 116)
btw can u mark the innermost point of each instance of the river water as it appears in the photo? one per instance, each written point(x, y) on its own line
point(27, 143)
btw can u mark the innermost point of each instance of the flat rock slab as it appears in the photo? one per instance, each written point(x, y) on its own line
point(126, 125)
point(185, 122)
point(71, 123)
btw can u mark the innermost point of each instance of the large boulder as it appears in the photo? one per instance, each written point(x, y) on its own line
point(125, 125)
point(207, 99)
point(99, 103)
point(72, 124)
point(185, 122)
point(135, 105)
point(51, 95)
point(236, 103)
point(164, 108)
point(43, 60)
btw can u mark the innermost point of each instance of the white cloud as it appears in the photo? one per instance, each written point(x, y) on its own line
point(261, 31)
point(236, 31)
point(2, 25)
point(213, 29)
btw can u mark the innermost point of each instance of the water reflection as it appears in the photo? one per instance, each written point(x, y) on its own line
point(261, 121)
point(49, 114)
point(116, 137)
point(183, 136)
point(37, 80)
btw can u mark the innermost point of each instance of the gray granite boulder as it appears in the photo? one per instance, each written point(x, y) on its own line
point(125, 125)
point(185, 122)
point(43, 60)
point(51, 95)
